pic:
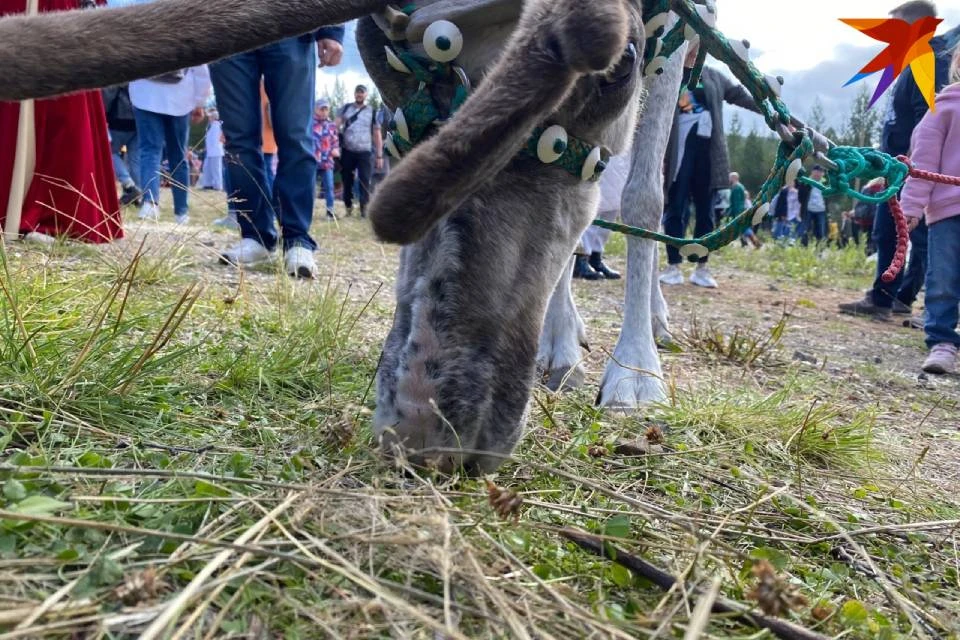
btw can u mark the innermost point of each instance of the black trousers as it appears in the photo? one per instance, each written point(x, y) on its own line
point(692, 183)
point(360, 162)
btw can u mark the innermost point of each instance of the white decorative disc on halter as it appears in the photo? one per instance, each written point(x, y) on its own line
point(443, 41)
point(793, 171)
point(401, 123)
point(395, 62)
point(590, 165)
point(760, 213)
point(392, 146)
point(656, 22)
point(655, 67)
point(552, 144)
point(694, 251)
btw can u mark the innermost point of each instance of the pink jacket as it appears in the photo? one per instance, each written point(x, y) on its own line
point(936, 147)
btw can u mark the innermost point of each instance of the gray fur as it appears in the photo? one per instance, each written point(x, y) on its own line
point(63, 52)
point(488, 232)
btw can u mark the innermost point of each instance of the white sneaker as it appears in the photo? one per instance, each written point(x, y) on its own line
point(228, 221)
point(300, 263)
point(182, 219)
point(35, 237)
point(247, 251)
point(702, 278)
point(149, 211)
point(672, 275)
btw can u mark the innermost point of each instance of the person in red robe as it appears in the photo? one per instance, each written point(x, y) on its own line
point(71, 190)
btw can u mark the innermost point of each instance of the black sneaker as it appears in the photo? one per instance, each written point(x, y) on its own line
point(901, 309)
point(865, 307)
point(131, 195)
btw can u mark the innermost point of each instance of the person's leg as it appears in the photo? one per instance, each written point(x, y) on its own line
point(348, 163)
point(177, 131)
point(702, 192)
point(594, 242)
point(364, 171)
point(943, 294)
point(916, 269)
point(821, 225)
point(679, 197)
point(119, 166)
point(268, 162)
point(133, 158)
point(885, 233)
point(290, 80)
point(236, 81)
point(326, 178)
point(150, 130)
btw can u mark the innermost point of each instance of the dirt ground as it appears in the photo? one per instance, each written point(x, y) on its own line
point(872, 362)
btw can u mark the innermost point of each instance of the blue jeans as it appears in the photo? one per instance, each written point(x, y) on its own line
point(326, 182)
point(271, 176)
point(906, 285)
point(127, 170)
point(785, 229)
point(816, 223)
point(288, 68)
point(916, 270)
point(943, 282)
point(154, 129)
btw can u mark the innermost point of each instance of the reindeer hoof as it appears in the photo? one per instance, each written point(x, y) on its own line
point(564, 378)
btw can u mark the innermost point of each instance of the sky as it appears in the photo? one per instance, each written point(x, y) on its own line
point(805, 42)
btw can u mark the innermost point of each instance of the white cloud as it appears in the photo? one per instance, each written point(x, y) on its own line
point(804, 42)
point(794, 37)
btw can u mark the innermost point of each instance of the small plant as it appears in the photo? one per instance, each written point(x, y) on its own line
point(746, 346)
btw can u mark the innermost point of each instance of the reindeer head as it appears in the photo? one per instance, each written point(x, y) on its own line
point(489, 215)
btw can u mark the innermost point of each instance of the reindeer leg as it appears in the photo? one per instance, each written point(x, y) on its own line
point(633, 375)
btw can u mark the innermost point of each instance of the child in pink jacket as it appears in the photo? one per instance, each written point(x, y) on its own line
point(936, 147)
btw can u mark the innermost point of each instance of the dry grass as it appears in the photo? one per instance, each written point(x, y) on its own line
point(184, 453)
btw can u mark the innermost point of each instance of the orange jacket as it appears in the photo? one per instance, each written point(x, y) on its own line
point(269, 142)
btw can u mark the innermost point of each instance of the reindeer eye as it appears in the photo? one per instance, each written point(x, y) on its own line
point(443, 41)
point(656, 66)
point(552, 144)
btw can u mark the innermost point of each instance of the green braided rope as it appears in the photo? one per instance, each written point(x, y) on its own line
point(736, 227)
point(850, 163)
point(866, 164)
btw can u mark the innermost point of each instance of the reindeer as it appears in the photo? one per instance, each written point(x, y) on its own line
point(487, 214)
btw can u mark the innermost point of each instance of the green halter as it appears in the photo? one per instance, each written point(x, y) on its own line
point(421, 113)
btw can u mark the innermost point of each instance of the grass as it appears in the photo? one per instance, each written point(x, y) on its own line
point(813, 266)
point(186, 453)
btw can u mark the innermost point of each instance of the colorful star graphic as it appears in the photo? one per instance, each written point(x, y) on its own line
point(907, 45)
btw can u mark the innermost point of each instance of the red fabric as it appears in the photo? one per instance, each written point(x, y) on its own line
point(73, 191)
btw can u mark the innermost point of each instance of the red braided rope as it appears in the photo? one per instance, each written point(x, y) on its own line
point(903, 233)
point(903, 240)
point(929, 175)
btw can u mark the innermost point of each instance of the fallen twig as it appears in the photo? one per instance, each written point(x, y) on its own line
point(596, 545)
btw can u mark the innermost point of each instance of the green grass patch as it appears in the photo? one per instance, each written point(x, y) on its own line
point(160, 438)
point(814, 266)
